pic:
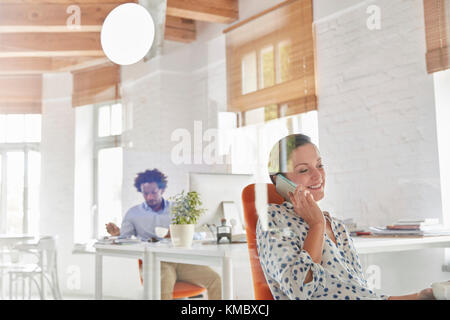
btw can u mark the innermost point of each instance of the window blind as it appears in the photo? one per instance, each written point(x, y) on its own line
point(271, 62)
point(20, 94)
point(437, 31)
point(96, 84)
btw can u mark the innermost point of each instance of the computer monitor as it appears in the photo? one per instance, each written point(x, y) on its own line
point(218, 191)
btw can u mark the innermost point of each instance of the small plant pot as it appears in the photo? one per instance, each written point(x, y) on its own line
point(182, 235)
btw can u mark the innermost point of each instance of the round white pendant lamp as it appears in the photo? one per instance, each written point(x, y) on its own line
point(127, 33)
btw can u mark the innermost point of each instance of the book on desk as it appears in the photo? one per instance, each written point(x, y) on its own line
point(425, 227)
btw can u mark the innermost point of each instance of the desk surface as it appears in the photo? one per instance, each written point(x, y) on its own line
point(378, 244)
point(198, 248)
point(364, 245)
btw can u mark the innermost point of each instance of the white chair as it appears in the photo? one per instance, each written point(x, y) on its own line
point(44, 271)
point(9, 259)
point(4, 266)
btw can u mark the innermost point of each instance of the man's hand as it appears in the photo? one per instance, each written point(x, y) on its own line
point(112, 229)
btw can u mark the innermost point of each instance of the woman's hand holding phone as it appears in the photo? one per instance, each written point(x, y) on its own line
point(306, 207)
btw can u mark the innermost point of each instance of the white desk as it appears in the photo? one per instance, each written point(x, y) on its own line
point(133, 251)
point(220, 255)
point(153, 253)
point(371, 244)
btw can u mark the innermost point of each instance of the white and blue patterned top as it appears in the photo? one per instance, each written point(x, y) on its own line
point(285, 263)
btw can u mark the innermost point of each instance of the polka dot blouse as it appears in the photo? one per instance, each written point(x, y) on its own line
point(285, 264)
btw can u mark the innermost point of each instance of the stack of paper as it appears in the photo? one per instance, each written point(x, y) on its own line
point(117, 240)
point(416, 224)
point(418, 227)
point(107, 240)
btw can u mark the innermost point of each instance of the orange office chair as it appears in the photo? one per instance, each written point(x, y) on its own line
point(260, 286)
point(181, 289)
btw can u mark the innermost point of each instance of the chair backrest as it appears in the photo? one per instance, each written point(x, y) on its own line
point(47, 249)
point(260, 286)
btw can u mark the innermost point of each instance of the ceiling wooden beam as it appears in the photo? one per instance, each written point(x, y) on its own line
point(82, 63)
point(20, 16)
point(50, 44)
point(48, 29)
point(55, 15)
point(37, 65)
point(218, 11)
point(37, 36)
point(179, 29)
point(68, 53)
point(67, 2)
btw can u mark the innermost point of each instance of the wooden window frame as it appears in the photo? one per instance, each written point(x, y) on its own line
point(287, 92)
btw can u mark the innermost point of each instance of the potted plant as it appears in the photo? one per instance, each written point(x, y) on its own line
point(186, 209)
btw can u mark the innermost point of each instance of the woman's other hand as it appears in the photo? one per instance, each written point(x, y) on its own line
point(306, 207)
point(426, 294)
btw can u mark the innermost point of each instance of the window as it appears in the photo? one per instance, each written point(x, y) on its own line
point(249, 73)
point(273, 69)
point(20, 171)
point(270, 63)
point(437, 29)
point(442, 98)
point(98, 170)
point(248, 147)
point(267, 63)
point(107, 167)
point(442, 101)
point(283, 61)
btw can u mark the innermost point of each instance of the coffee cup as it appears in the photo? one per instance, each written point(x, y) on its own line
point(441, 290)
point(161, 232)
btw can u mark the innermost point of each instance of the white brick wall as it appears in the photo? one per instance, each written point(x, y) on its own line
point(377, 129)
point(376, 107)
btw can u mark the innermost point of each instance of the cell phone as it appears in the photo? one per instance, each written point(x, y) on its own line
point(283, 186)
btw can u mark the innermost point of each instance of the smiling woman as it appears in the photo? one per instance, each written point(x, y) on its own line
point(305, 253)
point(303, 166)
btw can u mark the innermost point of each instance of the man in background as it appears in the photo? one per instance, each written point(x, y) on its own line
point(140, 221)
